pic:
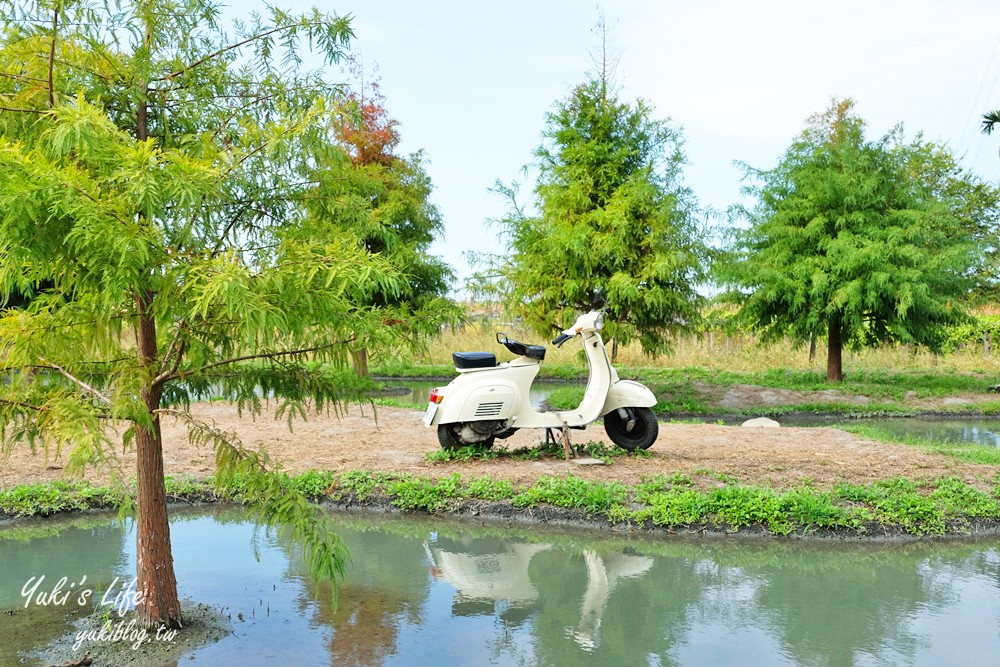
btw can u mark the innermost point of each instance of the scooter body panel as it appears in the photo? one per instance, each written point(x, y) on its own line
point(488, 394)
point(628, 394)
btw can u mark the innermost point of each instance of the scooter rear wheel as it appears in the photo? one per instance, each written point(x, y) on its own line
point(643, 433)
point(448, 438)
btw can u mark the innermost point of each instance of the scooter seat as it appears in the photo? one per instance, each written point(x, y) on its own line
point(466, 360)
point(522, 349)
point(534, 352)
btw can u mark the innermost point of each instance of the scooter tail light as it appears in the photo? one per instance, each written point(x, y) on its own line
point(436, 396)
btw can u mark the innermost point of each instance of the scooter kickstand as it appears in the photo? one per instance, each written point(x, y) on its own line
point(567, 447)
point(550, 439)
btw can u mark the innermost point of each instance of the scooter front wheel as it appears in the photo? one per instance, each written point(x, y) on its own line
point(448, 438)
point(637, 431)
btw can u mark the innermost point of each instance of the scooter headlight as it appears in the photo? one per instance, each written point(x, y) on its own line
point(599, 322)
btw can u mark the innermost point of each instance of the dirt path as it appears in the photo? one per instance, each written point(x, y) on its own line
point(398, 442)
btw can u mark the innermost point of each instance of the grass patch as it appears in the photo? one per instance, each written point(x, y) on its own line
point(485, 488)
point(468, 453)
point(671, 501)
point(592, 449)
point(966, 452)
point(898, 502)
point(417, 493)
point(49, 498)
point(573, 493)
point(667, 501)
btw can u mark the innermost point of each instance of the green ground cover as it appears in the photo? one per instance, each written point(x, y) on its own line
point(900, 506)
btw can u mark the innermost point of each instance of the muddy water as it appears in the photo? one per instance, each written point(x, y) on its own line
point(433, 592)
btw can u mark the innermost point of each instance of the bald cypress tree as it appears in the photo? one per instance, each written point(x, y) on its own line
point(159, 176)
point(854, 239)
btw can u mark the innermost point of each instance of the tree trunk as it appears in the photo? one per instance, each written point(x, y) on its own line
point(834, 351)
point(359, 359)
point(812, 348)
point(155, 579)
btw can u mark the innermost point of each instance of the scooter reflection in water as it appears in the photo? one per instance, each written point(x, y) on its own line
point(487, 571)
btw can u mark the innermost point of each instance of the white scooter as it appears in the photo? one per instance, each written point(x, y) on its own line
point(488, 401)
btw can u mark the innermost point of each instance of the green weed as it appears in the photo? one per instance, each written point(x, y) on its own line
point(573, 493)
point(48, 498)
point(469, 453)
point(898, 502)
point(414, 493)
point(360, 483)
point(314, 483)
point(738, 506)
point(485, 488)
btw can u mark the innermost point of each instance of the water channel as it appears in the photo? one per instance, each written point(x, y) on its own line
point(976, 430)
point(434, 592)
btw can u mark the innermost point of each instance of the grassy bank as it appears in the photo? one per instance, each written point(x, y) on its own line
point(713, 351)
point(700, 367)
point(695, 391)
point(896, 506)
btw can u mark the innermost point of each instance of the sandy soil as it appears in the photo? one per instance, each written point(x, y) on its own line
point(394, 439)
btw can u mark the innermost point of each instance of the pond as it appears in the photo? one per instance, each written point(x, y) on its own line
point(425, 591)
point(975, 430)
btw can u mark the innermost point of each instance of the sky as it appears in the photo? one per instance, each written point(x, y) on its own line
point(470, 83)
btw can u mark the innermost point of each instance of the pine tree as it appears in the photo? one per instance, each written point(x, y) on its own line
point(615, 228)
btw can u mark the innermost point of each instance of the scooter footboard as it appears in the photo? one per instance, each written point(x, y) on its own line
point(628, 394)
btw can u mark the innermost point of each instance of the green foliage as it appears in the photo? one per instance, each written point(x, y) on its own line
point(867, 242)
point(898, 502)
point(422, 494)
point(956, 499)
point(384, 201)
point(981, 327)
point(674, 507)
point(573, 493)
point(667, 501)
point(565, 398)
point(738, 506)
point(467, 453)
point(490, 489)
point(657, 483)
point(615, 227)
point(170, 202)
point(807, 508)
point(48, 498)
point(313, 483)
point(361, 483)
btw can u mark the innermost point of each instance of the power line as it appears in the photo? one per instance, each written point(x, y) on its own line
point(978, 101)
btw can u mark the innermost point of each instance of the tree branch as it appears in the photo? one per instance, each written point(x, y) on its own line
point(52, 58)
point(216, 54)
point(263, 355)
point(20, 78)
point(83, 385)
point(176, 347)
point(17, 110)
point(20, 404)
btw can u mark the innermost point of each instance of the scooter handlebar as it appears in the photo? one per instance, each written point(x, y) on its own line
point(561, 338)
